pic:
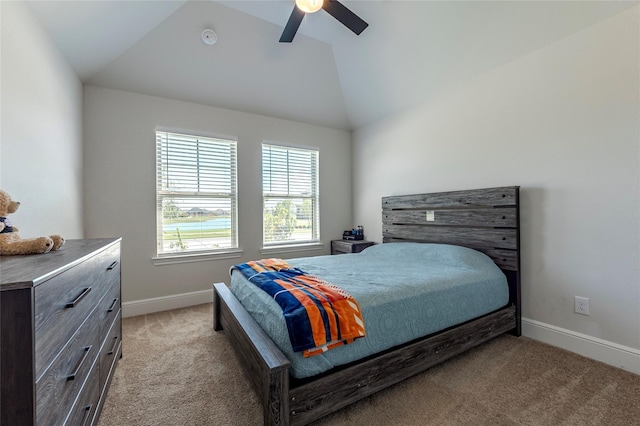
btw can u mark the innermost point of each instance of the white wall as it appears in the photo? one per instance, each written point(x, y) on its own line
point(41, 128)
point(563, 123)
point(120, 182)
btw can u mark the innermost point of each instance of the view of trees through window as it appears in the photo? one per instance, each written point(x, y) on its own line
point(288, 220)
point(290, 191)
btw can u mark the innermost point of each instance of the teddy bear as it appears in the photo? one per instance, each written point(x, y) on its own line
point(10, 241)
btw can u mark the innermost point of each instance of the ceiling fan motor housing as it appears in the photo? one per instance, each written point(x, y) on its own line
point(332, 7)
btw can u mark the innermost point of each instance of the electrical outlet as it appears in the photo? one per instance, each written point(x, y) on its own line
point(582, 305)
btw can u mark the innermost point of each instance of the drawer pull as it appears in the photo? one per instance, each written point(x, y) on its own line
point(87, 411)
point(113, 305)
point(78, 299)
point(113, 265)
point(115, 345)
point(73, 375)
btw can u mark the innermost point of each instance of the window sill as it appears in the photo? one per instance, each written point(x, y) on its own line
point(291, 248)
point(196, 257)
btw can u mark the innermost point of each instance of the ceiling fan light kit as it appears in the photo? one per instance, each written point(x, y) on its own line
point(332, 7)
point(309, 6)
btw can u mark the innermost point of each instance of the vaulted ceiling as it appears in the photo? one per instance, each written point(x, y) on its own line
point(411, 51)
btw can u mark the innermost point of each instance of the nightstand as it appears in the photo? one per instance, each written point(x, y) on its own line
point(349, 246)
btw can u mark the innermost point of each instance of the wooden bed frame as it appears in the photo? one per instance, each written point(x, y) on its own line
point(484, 219)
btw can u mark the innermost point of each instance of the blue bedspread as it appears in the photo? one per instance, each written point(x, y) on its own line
point(319, 315)
point(405, 291)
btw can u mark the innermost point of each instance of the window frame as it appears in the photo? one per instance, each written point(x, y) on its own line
point(232, 251)
point(293, 245)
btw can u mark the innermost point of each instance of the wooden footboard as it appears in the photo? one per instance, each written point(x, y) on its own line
point(268, 368)
point(265, 365)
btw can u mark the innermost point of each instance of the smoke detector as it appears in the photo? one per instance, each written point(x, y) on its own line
point(209, 36)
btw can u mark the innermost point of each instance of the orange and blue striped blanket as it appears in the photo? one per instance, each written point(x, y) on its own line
point(319, 315)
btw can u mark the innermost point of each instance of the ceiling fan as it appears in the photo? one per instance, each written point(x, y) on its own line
point(333, 7)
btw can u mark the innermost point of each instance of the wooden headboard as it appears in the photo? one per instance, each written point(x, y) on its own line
point(487, 220)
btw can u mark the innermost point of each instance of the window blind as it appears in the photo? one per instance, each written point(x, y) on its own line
point(290, 192)
point(196, 193)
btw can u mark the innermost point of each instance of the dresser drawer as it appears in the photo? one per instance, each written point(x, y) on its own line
point(63, 302)
point(85, 408)
point(58, 388)
point(109, 308)
point(110, 349)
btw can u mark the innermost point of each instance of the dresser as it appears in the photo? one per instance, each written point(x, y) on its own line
point(60, 333)
point(349, 246)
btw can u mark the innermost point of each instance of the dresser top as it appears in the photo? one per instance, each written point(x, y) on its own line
point(27, 271)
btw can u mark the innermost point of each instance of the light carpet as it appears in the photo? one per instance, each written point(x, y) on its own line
point(176, 370)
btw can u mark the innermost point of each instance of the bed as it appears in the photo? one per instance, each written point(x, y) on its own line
point(486, 220)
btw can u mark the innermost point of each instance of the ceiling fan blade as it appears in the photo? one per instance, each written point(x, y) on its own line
point(292, 26)
point(344, 15)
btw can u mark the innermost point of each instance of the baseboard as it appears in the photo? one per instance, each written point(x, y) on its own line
point(610, 353)
point(166, 303)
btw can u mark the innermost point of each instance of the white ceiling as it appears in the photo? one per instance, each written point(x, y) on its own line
point(412, 50)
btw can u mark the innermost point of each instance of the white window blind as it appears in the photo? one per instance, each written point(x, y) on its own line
point(290, 192)
point(196, 194)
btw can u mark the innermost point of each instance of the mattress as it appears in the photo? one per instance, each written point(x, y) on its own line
point(405, 291)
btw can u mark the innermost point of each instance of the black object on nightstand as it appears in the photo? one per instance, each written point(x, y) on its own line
point(349, 246)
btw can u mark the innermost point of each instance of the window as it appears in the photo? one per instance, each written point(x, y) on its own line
point(290, 192)
point(196, 194)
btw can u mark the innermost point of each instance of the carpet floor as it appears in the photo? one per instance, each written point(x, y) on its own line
point(176, 370)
